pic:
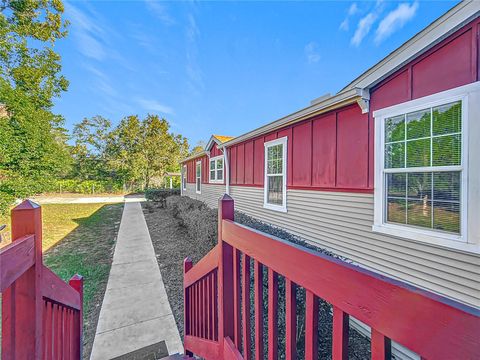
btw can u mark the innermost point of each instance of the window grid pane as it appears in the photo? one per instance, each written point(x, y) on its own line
point(275, 190)
point(424, 199)
point(429, 137)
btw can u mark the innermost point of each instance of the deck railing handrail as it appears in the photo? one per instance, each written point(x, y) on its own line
point(430, 325)
point(41, 314)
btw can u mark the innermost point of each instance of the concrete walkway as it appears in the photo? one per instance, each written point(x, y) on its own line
point(135, 312)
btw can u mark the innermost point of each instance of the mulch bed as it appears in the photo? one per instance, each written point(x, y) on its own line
point(172, 245)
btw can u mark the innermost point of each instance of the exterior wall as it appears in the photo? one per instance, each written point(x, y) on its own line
point(209, 195)
point(326, 152)
point(452, 63)
point(342, 222)
point(191, 166)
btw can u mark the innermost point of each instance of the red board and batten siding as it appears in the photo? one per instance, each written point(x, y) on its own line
point(451, 63)
point(327, 152)
point(334, 151)
point(204, 159)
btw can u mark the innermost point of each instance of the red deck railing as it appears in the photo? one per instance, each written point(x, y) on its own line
point(41, 314)
point(217, 302)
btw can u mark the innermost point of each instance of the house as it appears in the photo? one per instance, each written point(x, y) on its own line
point(386, 172)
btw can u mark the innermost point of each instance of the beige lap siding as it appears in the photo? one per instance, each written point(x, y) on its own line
point(342, 222)
point(210, 193)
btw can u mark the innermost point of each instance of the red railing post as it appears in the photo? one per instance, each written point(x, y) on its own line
point(76, 282)
point(187, 265)
point(225, 275)
point(22, 303)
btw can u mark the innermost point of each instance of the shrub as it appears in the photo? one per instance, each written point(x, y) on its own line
point(160, 195)
point(86, 186)
point(199, 220)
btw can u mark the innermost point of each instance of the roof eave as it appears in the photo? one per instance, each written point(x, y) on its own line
point(194, 156)
point(339, 100)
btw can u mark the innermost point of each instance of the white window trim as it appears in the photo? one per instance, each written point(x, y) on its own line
point(184, 178)
point(468, 240)
point(198, 163)
point(216, 181)
point(266, 205)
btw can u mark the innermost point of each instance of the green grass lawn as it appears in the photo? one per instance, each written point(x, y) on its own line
point(80, 238)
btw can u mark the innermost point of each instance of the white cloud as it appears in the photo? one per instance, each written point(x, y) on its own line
point(192, 67)
point(395, 20)
point(352, 10)
point(89, 33)
point(154, 105)
point(311, 52)
point(363, 28)
point(160, 11)
point(365, 24)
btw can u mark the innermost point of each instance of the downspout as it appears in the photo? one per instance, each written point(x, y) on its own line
point(227, 172)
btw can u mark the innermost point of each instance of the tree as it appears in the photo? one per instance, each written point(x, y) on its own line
point(141, 150)
point(198, 148)
point(33, 147)
point(89, 152)
point(124, 150)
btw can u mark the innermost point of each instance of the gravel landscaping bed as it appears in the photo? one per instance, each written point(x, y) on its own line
point(184, 228)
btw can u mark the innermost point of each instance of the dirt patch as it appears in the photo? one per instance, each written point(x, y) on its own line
point(172, 245)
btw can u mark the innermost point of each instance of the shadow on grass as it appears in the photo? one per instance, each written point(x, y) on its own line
point(88, 251)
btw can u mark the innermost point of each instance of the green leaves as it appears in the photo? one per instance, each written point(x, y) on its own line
point(33, 147)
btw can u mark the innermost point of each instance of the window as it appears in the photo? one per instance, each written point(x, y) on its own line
point(421, 169)
point(184, 177)
point(275, 188)
point(198, 177)
point(216, 169)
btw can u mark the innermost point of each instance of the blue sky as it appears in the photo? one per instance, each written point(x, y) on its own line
point(223, 67)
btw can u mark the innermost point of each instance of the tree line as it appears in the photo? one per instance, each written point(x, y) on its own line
point(35, 148)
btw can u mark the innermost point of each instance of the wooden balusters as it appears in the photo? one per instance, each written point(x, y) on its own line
point(311, 326)
point(272, 315)
point(236, 299)
point(258, 283)
point(381, 346)
point(290, 320)
point(340, 334)
point(246, 306)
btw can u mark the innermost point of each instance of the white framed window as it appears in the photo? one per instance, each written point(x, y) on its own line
point(275, 188)
point(422, 168)
point(198, 177)
point(184, 177)
point(216, 169)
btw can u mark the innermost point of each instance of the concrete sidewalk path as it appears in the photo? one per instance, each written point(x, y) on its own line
point(135, 312)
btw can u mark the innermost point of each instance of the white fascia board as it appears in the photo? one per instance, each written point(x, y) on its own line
point(441, 28)
point(210, 143)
